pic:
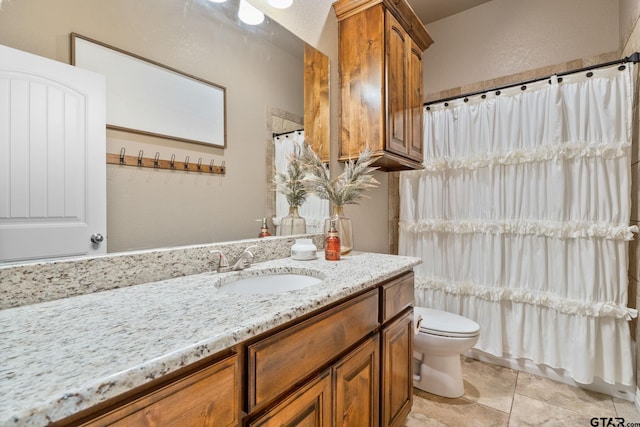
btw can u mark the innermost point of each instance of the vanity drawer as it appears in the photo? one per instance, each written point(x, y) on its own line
point(395, 296)
point(210, 396)
point(278, 362)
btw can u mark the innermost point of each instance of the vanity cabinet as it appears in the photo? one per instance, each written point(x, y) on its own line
point(357, 355)
point(347, 394)
point(396, 316)
point(347, 364)
point(380, 46)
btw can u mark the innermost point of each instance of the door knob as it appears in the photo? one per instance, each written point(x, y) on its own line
point(97, 238)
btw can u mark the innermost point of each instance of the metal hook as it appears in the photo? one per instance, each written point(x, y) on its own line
point(122, 151)
point(211, 166)
point(222, 168)
point(199, 165)
point(186, 163)
point(156, 160)
point(140, 157)
point(172, 163)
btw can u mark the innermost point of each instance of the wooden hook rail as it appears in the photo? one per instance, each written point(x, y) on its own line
point(157, 163)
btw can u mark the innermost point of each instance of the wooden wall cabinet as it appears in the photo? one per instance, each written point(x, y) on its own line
point(380, 46)
point(316, 101)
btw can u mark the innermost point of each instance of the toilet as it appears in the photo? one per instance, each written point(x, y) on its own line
point(440, 339)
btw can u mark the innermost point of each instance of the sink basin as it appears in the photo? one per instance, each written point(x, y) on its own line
point(268, 283)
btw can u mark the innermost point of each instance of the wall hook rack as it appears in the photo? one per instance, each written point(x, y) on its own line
point(157, 163)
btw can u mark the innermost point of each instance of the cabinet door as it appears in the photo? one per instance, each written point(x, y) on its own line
point(397, 365)
point(361, 60)
point(396, 96)
point(415, 116)
point(308, 407)
point(209, 397)
point(356, 386)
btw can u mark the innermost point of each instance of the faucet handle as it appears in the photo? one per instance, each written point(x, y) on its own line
point(223, 263)
point(250, 247)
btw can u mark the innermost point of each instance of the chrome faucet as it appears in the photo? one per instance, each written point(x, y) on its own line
point(223, 263)
point(243, 261)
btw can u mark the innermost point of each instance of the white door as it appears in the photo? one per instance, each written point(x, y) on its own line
point(52, 158)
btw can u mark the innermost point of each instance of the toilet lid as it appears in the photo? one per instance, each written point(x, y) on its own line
point(438, 322)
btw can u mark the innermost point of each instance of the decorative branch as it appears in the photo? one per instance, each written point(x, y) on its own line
point(345, 189)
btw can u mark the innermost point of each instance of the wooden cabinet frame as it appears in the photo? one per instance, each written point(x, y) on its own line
point(380, 65)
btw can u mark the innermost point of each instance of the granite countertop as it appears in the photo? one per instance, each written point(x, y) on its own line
point(63, 356)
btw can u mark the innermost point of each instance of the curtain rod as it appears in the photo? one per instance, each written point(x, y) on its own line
point(634, 57)
point(286, 133)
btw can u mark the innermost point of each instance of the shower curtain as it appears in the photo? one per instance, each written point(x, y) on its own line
point(315, 210)
point(521, 218)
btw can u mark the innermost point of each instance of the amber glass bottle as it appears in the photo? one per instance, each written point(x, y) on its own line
point(332, 244)
point(264, 230)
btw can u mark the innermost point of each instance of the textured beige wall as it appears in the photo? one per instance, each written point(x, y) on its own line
point(149, 208)
point(504, 37)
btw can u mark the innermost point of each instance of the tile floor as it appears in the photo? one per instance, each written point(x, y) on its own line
point(497, 396)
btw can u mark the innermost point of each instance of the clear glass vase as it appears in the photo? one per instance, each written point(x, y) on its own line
point(293, 223)
point(345, 230)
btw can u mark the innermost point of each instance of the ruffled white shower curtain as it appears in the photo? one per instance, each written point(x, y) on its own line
point(521, 218)
point(315, 210)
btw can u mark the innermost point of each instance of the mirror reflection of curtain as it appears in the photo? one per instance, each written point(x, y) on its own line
point(522, 218)
point(314, 210)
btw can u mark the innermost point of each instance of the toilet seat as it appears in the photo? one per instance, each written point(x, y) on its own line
point(445, 324)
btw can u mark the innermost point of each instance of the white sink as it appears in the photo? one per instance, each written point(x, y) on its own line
point(268, 283)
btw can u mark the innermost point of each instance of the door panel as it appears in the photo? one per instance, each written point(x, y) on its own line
point(396, 86)
point(52, 158)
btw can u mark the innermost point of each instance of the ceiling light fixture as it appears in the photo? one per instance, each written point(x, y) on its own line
point(249, 14)
point(217, 1)
point(280, 4)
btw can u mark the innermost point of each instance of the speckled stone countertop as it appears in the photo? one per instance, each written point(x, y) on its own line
point(62, 356)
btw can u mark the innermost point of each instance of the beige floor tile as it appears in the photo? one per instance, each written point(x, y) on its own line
point(489, 385)
point(430, 410)
point(532, 412)
point(626, 410)
point(562, 395)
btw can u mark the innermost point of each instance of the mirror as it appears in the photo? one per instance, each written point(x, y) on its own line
point(261, 68)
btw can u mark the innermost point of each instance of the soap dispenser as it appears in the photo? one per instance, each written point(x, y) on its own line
point(332, 244)
point(264, 230)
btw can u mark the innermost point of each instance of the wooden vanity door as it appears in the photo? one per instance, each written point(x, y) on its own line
point(397, 370)
point(307, 407)
point(356, 386)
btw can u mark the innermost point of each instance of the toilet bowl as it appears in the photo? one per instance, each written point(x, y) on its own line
point(440, 339)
